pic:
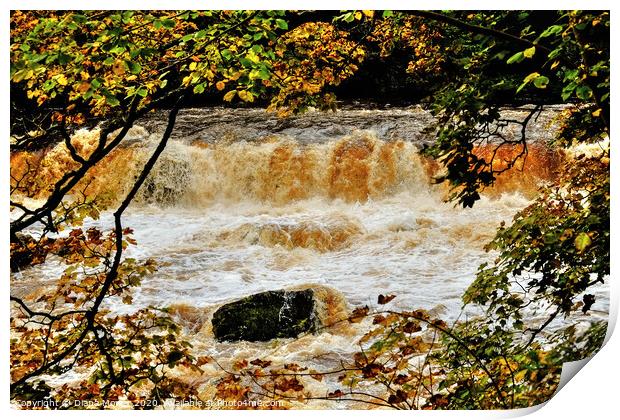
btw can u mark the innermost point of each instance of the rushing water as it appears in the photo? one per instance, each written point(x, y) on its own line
point(241, 203)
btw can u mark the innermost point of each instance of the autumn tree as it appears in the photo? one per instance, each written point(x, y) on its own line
point(105, 70)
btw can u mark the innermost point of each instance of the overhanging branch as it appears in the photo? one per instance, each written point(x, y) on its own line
point(439, 17)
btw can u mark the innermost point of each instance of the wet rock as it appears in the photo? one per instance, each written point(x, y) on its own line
point(215, 124)
point(265, 316)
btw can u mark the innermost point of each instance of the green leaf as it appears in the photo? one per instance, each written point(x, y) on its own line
point(541, 82)
point(22, 75)
point(568, 90)
point(134, 67)
point(79, 18)
point(552, 30)
point(517, 58)
point(245, 62)
point(226, 53)
point(168, 23)
point(112, 100)
point(119, 49)
point(264, 74)
point(583, 92)
point(281, 23)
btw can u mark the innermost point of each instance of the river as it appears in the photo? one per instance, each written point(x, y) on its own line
point(242, 202)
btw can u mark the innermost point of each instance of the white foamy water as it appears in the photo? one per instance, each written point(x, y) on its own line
point(424, 251)
point(410, 244)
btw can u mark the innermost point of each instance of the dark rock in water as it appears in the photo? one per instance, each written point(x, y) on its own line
point(265, 316)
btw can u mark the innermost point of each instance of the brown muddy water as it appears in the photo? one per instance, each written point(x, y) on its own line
point(241, 202)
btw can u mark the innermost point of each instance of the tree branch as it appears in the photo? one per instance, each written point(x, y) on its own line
point(476, 28)
point(113, 272)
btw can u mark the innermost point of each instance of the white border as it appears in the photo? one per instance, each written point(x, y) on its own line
point(593, 393)
point(316, 4)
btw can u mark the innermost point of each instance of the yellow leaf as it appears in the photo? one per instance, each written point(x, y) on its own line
point(192, 66)
point(531, 77)
point(61, 79)
point(368, 13)
point(529, 53)
point(243, 95)
point(519, 376)
point(230, 95)
point(582, 241)
point(597, 112)
point(220, 85)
